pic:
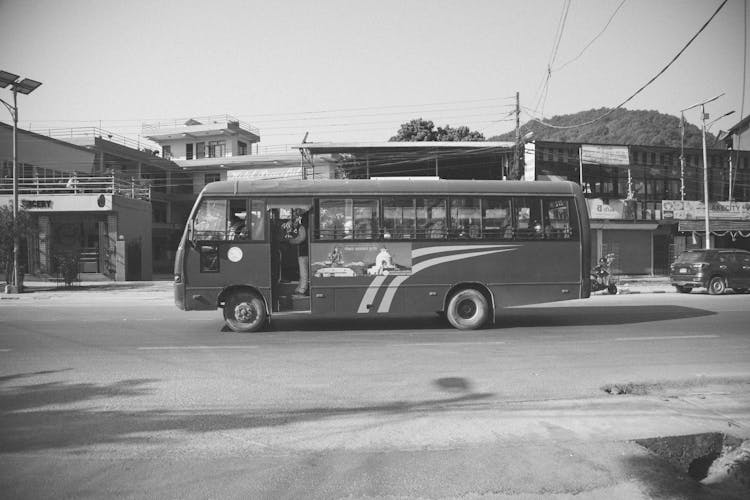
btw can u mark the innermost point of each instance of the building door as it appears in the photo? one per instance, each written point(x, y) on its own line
point(661, 254)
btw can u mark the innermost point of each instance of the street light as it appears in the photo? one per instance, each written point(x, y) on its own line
point(704, 116)
point(25, 86)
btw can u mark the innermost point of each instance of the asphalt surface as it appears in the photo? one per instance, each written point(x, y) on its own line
point(461, 444)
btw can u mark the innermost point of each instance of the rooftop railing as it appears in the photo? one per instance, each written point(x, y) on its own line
point(150, 129)
point(82, 184)
point(85, 135)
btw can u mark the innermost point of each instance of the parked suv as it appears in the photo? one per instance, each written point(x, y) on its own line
point(716, 270)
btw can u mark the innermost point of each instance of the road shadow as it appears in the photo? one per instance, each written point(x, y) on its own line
point(596, 315)
point(31, 418)
point(506, 318)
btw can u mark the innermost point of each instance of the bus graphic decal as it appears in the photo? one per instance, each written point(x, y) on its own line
point(396, 281)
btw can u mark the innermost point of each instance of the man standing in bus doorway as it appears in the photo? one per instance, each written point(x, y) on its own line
point(297, 236)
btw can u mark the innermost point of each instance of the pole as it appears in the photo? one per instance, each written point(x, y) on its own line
point(518, 135)
point(707, 244)
point(682, 156)
point(16, 243)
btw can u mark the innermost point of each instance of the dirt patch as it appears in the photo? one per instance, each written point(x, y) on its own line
point(717, 461)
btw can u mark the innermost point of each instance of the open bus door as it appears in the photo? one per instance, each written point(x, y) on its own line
point(289, 221)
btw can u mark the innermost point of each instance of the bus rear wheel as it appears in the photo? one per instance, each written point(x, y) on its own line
point(468, 310)
point(245, 312)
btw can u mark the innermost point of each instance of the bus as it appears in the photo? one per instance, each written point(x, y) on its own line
point(465, 249)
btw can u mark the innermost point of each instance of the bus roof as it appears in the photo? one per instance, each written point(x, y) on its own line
point(363, 187)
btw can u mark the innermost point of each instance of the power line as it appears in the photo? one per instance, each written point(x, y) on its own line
point(644, 86)
point(593, 39)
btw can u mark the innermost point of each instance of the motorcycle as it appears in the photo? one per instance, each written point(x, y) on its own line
point(602, 279)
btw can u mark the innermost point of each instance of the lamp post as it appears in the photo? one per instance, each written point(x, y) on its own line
point(25, 86)
point(704, 116)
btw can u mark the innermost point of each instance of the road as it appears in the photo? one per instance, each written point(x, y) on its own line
point(124, 395)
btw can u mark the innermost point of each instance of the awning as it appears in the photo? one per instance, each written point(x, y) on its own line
point(686, 226)
point(627, 226)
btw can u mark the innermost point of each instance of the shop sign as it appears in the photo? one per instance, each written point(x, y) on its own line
point(612, 209)
point(720, 210)
point(605, 155)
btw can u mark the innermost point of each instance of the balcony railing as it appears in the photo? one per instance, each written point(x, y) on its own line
point(107, 184)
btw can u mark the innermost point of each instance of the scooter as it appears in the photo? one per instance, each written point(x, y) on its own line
point(602, 279)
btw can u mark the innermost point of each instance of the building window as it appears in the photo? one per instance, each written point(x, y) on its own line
point(217, 149)
point(200, 150)
point(241, 148)
point(166, 152)
point(188, 151)
point(211, 177)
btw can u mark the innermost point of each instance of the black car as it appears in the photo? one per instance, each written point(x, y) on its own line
point(716, 269)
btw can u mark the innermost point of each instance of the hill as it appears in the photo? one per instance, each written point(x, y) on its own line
point(646, 128)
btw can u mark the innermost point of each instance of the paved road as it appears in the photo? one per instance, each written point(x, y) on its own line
point(122, 394)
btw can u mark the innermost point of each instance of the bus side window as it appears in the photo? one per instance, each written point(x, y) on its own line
point(557, 224)
point(335, 219)
point(431, 218)
point(399, 218)
point(497, 218)
point(528, 218)
point(466, 218)
point(365, 219)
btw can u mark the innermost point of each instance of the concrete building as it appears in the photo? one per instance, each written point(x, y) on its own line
point(112, 206)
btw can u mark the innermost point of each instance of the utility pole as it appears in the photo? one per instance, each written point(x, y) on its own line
point(682, 156)
point(516, 152)
point(704, 116)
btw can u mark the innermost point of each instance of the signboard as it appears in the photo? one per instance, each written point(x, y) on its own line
point(63, 203)
point(265, 173)
point(605, 155)
point(720, 210)
point(612, 209)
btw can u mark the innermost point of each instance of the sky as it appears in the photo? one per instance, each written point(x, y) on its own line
point(356, 70)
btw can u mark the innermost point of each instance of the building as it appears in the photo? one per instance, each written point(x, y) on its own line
point(102, 200)
point(214, 148)
point(646, 202)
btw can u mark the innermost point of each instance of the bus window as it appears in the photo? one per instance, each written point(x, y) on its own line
point(496, 219)
point(237, 227)
point(557, 224)
point(398, 218)
point(466, 218)
point(365, 219)
point(335, 219)
point(211, 220)
point(431, 218)
point(528, 218)
point(257, 220)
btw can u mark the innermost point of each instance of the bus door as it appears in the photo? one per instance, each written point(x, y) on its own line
point(289, 221)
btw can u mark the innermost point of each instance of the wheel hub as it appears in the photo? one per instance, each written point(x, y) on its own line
point(467, 309)
point(245, 312)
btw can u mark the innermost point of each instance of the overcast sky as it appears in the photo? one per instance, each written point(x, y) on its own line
point(355, 70)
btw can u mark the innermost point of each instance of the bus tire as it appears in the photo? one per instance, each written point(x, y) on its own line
point(468, 309)
point(245, 312)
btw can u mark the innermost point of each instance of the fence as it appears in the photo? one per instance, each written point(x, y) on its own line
point(109, 184)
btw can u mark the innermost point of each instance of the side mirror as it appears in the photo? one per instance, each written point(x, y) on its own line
point(191, 233)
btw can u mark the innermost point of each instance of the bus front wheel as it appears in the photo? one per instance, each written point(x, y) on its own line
point(245, 312)
point(468, 310)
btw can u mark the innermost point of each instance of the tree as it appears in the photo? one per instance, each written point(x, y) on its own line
point(424, 130)
point(6, 236)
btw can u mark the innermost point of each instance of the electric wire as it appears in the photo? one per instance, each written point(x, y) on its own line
point(662, 71)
